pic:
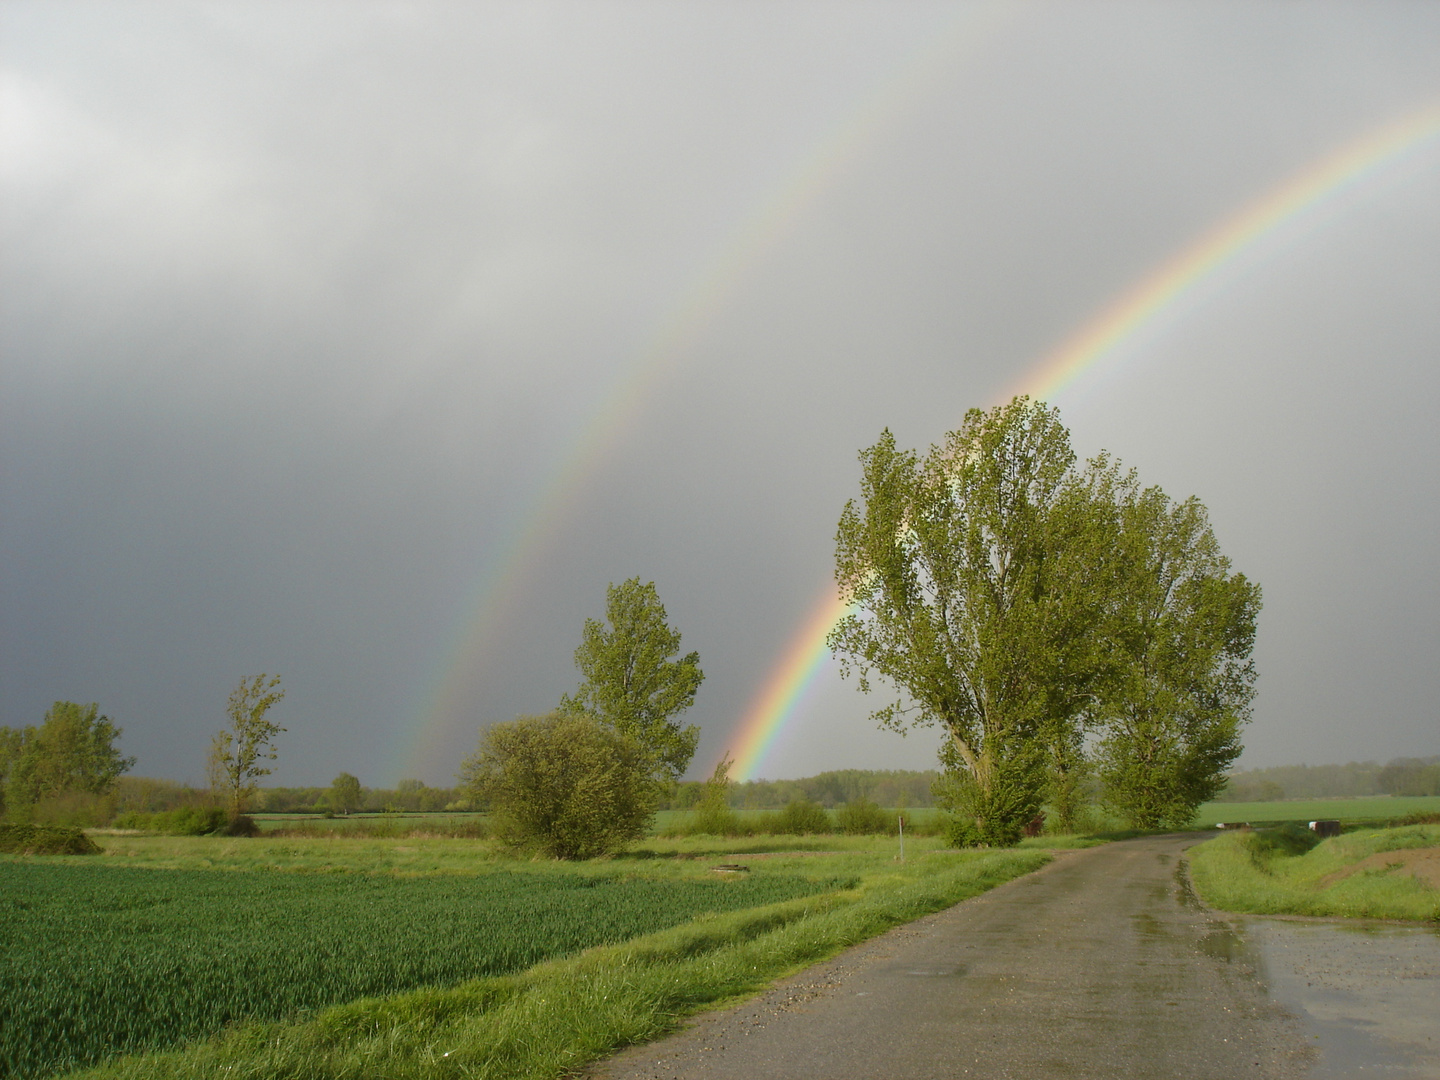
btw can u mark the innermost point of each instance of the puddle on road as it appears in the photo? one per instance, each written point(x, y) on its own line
point(1369, 995)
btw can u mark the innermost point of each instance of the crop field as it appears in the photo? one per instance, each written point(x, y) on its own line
point(98, 959)
point(1374, 808)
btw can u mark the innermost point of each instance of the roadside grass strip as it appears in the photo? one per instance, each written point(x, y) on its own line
point(1372, 873)
point(97, 960)
point(551, 1019)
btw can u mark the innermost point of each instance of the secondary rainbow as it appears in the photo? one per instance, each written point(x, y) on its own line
point(499, 585)
point(1160, 294)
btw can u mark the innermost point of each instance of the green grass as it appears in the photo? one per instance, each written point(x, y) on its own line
point(1373, 808)
point(99, 959)
point(552, 1018)
point(1285, 871)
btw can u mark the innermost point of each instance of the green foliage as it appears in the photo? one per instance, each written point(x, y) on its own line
point(1184, 635)
point(1290, 871)
point(631, 681)
point(45, 840)
point(802, 818)
point(713, 815)
point(975, 576)
point(831, 789)
point(1023, 604)
point(236, 753)
point(345, 794)
point(182, 821)
point(563, 784)
point(100, 960)
point(863, 818)
point(72, 752)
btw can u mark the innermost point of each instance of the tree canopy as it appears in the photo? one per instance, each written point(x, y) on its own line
point(1186, 679)
point(632, 683)
point(1002, 590)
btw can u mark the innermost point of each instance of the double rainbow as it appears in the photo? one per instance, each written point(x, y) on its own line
point(1302, 200)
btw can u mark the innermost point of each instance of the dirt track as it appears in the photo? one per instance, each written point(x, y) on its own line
point(1098, 965)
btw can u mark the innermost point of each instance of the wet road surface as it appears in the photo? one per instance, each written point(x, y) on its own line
point(1098, 965)
point(1367, 993)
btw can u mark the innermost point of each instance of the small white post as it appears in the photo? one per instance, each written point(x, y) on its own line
point(902, 837)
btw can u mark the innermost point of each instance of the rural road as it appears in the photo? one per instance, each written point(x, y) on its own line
point(1099, 965)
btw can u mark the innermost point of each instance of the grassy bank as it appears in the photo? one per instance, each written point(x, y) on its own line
point(1286, 871)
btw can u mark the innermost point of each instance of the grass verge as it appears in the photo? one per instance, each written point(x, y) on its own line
point(1286, 871)
point(551, 1019)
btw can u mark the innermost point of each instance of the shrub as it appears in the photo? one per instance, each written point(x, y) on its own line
point(862, 818)
point(563, 784)
point(802, 818)
point(182, 821)
point(45, 840)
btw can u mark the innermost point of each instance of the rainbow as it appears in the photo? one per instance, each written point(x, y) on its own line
point(1158, 296)
point(499, 586)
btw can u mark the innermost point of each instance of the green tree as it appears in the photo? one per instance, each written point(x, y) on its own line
point(563, 784)
point(975, 580)
point(632, 684)
point(237, 752)
point(73, 750)
point(345, 793)
point(1184, 636)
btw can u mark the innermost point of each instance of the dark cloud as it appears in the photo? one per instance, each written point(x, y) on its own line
point(305, 307)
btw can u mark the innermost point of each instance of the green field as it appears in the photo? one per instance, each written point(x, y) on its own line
point(1372, 808)
point(99, 959)
point(297, 955)
point(1289, 871)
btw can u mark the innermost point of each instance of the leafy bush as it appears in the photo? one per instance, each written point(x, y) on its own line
point(862, 818)
point(802, 818)
point(45, 840)
point(182, 821)
point(563, 784)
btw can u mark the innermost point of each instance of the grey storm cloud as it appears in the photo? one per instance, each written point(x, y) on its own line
point(327, 329)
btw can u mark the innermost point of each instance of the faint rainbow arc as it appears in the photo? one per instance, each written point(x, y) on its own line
point(1157, 294)
point(496, 589)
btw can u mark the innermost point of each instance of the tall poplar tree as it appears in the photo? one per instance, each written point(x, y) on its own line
point(976, 577)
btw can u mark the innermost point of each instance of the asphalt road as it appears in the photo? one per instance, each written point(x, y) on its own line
point(1099, 965)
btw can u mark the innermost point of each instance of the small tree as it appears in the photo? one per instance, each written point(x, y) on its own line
point(236, 753)
point(712, 813)
point(632, 684)
point(345, 793)
point(563, 784)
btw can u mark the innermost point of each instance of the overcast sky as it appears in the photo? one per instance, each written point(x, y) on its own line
point(367, 343)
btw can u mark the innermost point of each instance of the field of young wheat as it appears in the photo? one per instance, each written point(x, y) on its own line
point(99, 960)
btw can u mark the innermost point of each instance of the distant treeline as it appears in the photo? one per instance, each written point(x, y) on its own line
point(1402, 776)
point(149, 796)
point(884, 787)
